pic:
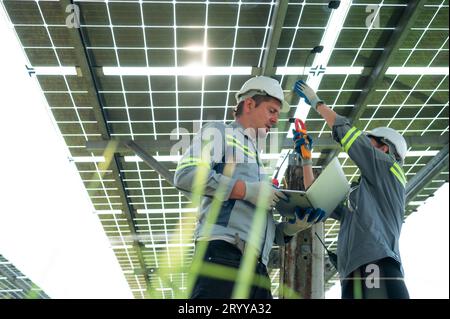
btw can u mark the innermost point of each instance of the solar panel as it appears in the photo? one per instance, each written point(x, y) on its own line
point(15, 285)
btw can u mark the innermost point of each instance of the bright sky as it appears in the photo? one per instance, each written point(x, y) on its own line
point(48, 229)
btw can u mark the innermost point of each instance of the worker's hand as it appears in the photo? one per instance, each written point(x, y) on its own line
point(304, 218)
point(303, 146)
point(296, 224)
point(254, 189)
point(312, 215)
point(304, 91)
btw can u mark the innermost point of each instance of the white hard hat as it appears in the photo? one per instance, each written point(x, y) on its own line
point(262, 85)
point(393, 137)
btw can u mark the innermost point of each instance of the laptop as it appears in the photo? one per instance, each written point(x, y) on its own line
point(327, 192)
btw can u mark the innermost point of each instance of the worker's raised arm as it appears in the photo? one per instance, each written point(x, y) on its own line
point(370, 160)
point(303, 144)
point(328, 114)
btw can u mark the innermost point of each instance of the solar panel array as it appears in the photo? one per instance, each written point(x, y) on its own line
point(15, 285)
point(138, 208)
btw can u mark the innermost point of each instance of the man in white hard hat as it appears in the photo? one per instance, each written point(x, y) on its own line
point(369, 262)
point(234, 166)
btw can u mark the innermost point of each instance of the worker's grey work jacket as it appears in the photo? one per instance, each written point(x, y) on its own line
point(371, 221)
point(229, 154)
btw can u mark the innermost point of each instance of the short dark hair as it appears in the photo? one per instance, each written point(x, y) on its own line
point(258, 100)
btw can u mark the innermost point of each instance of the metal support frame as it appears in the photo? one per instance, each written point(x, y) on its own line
point(274, 37)
point(151, 161)
point(427, 174)
point(86, 72)
point(88, 75)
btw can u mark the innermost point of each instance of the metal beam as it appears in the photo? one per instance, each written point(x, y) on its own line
point(76, 37)
point(87, 73)
point(130, 215)
point(427, 174)
point(274, 37)
point(376, 77)
point(151, 161)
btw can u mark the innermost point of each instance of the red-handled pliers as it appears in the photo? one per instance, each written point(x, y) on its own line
point(300, 127)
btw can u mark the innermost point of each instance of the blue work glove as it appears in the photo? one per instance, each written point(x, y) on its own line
point(304, 91)
point(314, 215)
point(299, 222)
